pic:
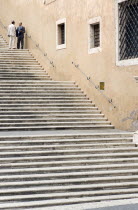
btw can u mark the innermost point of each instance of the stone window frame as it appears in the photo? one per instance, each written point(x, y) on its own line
point(61, 46)
point(128, 62)
point(93, 21)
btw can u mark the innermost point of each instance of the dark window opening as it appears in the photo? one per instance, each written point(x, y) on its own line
point(128, 30)
point(94, 35)
point(61, 34)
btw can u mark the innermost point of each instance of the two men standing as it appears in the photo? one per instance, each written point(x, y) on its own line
point(13, 33)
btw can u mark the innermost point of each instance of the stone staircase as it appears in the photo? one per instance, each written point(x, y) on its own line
point(64, 164)
point(31, 100)
point(61, 169)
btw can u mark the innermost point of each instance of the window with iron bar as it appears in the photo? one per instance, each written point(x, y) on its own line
point(128, 29)
point(94, 35)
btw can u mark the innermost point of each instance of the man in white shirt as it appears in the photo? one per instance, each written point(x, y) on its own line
point(12, 35)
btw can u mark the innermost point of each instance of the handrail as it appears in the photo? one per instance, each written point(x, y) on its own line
point(96, 87)
point(3, 25)
point(36, 45)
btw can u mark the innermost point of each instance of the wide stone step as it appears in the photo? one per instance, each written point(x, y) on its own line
point(22, 72)
point(39, 109)
point(65, 195)
point(42, 91)
point(19, 66)
point(16, 56)
point(13, 54)
point(43, 108)
point(2, 42)
point(68, 194)
point(50, 112)
point(7, 164)
point(69, 182)
point(36, 82)
point(48, 97)
point(11, 62)
point(35, 77)
point(46, 102)
point(50, 123)
point(15, 75)
point(43, 88)
point(18, 69)
point(3, 45)
point(14, 50)
point(43, 141)
point(103, 134)
point(78, 136)
point(105, 159)
point(44, 120)
point(59, 116)
point(5, 62)
point(42, 204)
point(29, 74)
point(69, 152)
point(45, 93)
point(66, 140)
point(38, 87)
point(74, 187)
point(64, 147)
point(18, 59)
point(54, 127)
point(30, 162)
point(99, 170)
point(66, 175)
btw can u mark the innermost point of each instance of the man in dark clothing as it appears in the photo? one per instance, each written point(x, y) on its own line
point(20, 34)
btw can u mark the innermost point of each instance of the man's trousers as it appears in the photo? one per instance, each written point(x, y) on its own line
point(12, 41)
point(20, 41)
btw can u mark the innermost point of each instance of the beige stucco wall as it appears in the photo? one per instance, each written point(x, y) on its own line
point(40, 22)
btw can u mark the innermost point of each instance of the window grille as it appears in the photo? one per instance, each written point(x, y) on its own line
point(61, 34)
point(128, 29)
point(94, 35)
